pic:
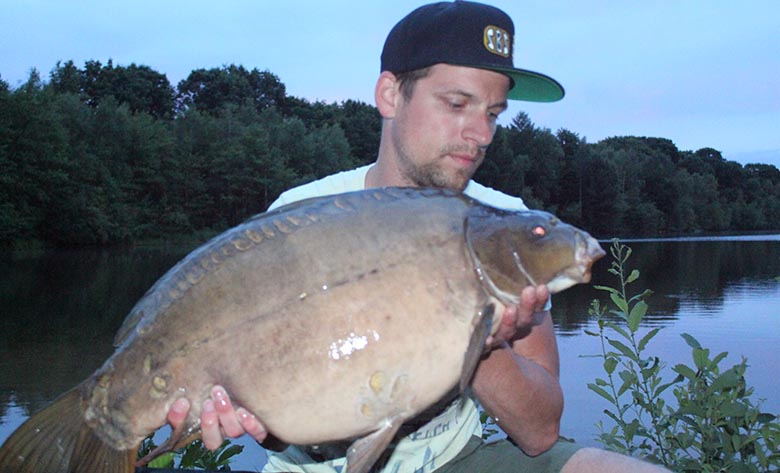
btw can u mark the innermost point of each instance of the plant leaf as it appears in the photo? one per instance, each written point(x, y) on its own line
point(606, 288)
point(624, 349)
point(720, 357)
point(728, 380)
point(163, 461)
point(610, 364)
point(643, 342)
point(620, 303)
point(701, 357)
point(617, 328)
point(601, 392)
point(685, 370)
point(692, 342)
point(231, 451)
point(641, 295)
point(636, 315)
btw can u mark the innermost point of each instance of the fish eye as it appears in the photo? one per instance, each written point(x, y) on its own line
point(539, 231)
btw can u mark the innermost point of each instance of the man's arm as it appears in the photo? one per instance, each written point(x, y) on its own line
point(518, 385)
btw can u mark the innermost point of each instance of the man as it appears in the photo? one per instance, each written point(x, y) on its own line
point(447, 72)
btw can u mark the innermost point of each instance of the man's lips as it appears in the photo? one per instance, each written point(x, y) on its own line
point(465, 160)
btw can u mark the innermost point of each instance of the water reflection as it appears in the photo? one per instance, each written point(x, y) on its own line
point(682, 274)
point(60, 312)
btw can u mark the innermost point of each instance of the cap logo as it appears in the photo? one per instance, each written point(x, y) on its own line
point(497, 40)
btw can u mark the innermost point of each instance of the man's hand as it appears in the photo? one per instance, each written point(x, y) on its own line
point(517, 320)
point(218, 419)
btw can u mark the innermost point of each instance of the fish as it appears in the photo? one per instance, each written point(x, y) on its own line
point(336, 318)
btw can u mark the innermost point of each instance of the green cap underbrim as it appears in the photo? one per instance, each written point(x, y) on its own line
point(531, 86)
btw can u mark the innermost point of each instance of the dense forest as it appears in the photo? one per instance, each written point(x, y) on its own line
point(108, 154)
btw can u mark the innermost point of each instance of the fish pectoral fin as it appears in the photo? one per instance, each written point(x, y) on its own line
point(185, 434)
point(365, 451)
point(476, 346)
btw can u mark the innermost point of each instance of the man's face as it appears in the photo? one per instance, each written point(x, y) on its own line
point(440, 134)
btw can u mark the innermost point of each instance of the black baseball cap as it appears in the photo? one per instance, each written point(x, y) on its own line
point(464, 33)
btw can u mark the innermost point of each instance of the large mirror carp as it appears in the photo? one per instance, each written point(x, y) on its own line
point(333, 318)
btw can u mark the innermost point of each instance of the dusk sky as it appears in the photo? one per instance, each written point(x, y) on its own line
point(703, 73)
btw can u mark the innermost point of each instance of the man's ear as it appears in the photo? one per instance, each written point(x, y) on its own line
point(387, 94)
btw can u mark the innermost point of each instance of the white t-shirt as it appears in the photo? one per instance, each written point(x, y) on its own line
point(355, 180)
point(441, 439)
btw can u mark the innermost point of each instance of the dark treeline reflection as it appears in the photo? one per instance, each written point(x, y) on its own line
point(698, 272)
point(60, 310)
point(60, 313)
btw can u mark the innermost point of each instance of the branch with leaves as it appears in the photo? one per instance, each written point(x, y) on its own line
point(709, 422)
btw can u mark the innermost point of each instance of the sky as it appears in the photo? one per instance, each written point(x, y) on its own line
point(702, 73)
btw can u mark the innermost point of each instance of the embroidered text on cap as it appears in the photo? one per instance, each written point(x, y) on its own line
point(498, 41)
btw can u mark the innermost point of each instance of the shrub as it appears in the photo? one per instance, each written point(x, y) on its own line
point(702, 420)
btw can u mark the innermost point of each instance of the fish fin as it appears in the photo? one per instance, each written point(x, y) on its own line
point(476, 346)
point(57, 439)
point(365, 451)
point(127, 327)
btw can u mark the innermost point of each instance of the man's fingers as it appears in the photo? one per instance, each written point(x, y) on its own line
point(227, 414)
point(209, 426)
point(542, 295)
point(533, 299)
point(251, 425)
point(528, 298)
point(178, 412)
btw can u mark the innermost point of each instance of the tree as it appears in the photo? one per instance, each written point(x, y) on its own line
point(570, 188)
point(140, 87)
point(543, 178)
point(66, 78)
point(211, 90)
point(143, 90)
point(362, 126)
point(603, 202)
point(96, 157)
point(33, 165)
point(503, 168)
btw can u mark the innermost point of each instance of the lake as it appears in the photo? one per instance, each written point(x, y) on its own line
point(61, 309)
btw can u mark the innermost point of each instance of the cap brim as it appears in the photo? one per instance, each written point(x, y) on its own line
point(531, 86)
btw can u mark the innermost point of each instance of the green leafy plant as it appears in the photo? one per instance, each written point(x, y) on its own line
point(194, 455)
point(702, 420)
point(489, 426)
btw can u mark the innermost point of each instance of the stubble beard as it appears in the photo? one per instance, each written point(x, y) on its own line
point(433, 173)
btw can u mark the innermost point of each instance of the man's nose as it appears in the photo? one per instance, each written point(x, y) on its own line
point(480, 129)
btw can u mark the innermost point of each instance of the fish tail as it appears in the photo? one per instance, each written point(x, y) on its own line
point(58, 440)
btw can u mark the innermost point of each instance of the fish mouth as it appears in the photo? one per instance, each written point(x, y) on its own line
point(561, 282)
point(588, 252)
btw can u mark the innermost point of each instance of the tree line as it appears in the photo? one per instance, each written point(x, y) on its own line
point(107, 154)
